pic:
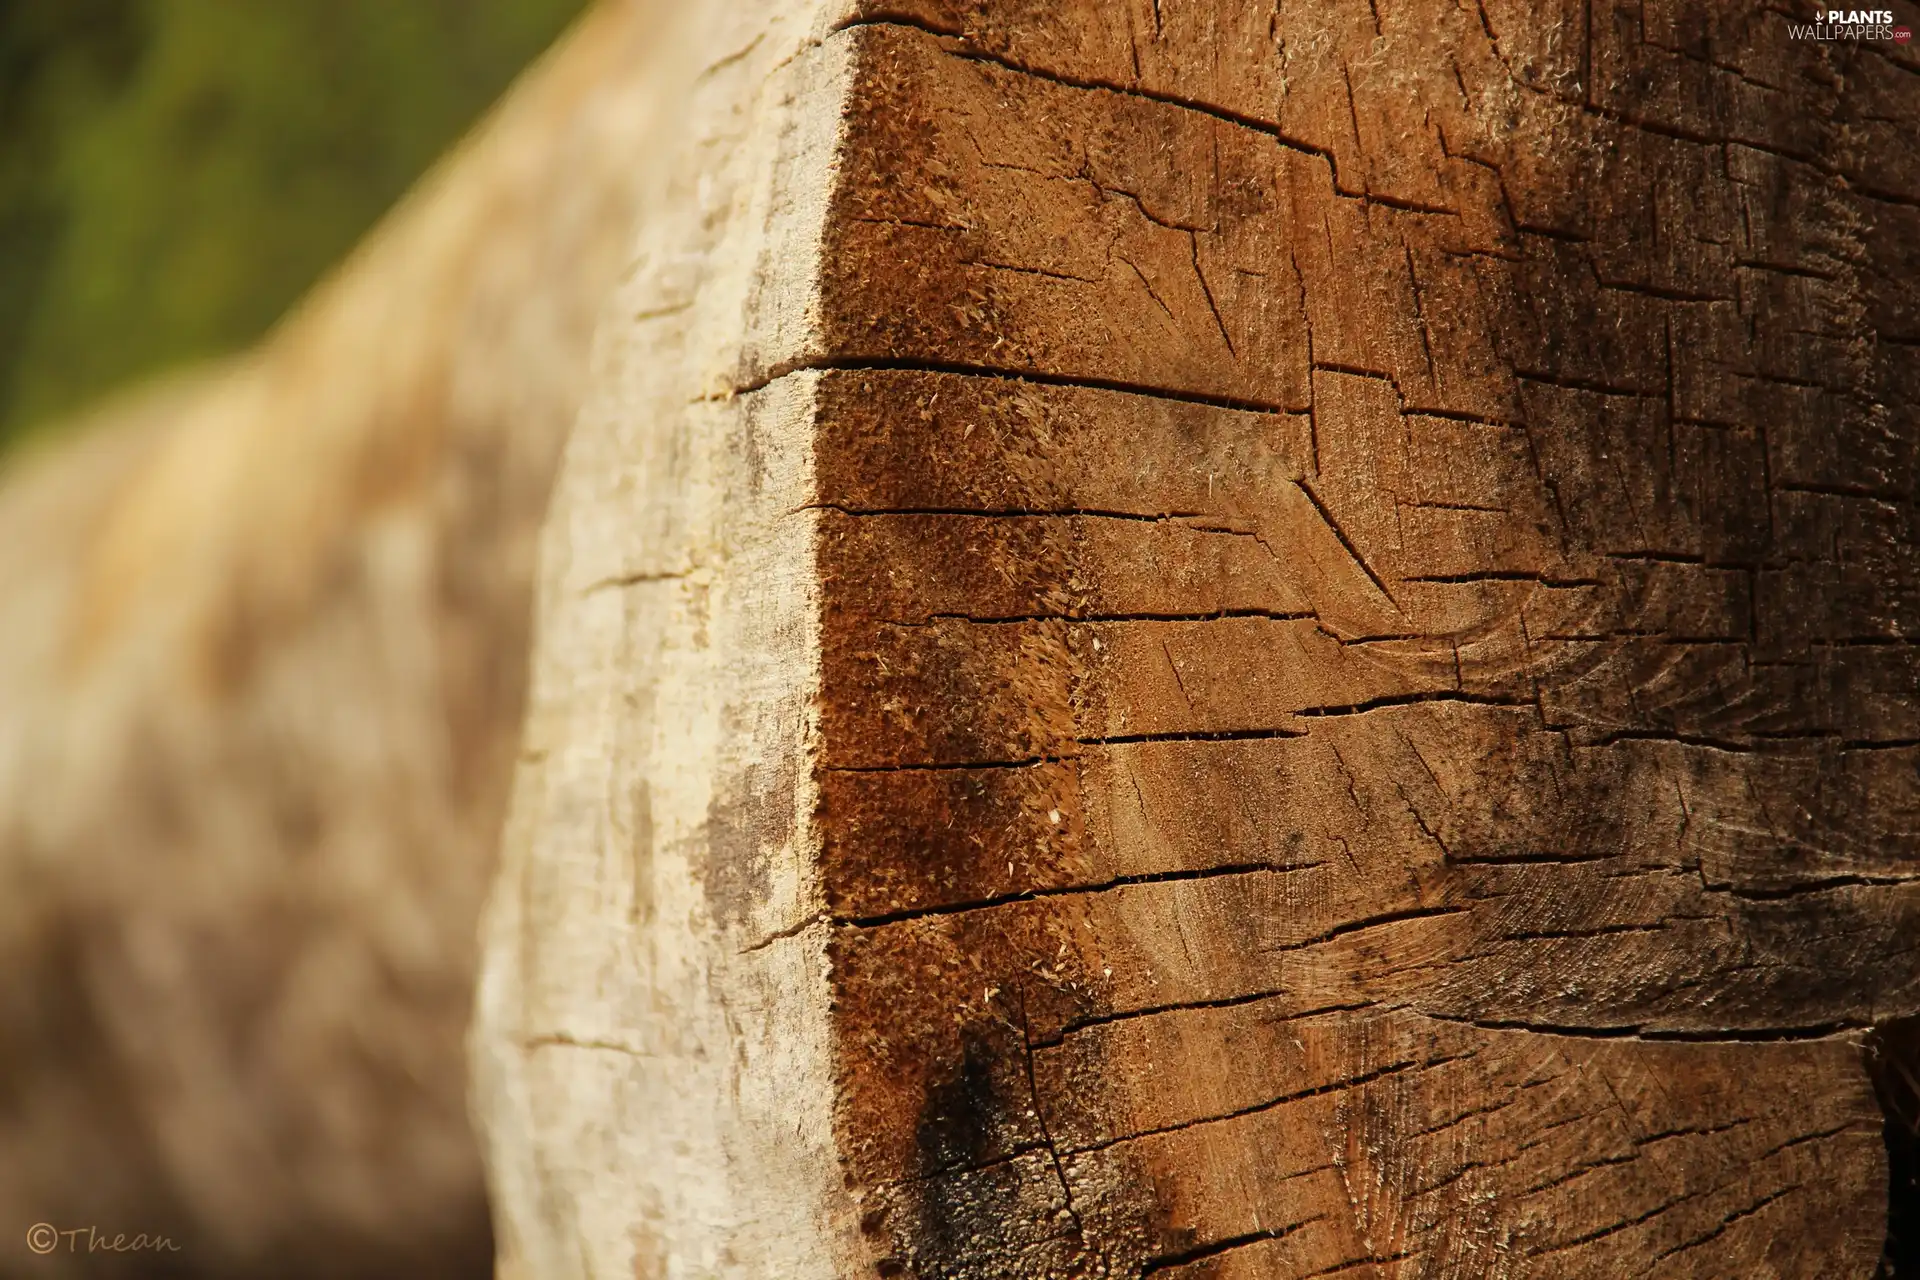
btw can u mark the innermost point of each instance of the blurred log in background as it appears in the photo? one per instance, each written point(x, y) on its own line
point(263, 628)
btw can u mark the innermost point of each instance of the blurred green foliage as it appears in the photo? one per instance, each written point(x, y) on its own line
point(175, 173)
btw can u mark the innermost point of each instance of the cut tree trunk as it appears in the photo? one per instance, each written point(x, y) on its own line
point(1206, 640)
point(262, 654)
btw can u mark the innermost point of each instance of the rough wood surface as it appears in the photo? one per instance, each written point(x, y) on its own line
point(1231, 641)
point(262, 646)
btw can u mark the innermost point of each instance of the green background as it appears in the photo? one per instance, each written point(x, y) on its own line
point(175, 173)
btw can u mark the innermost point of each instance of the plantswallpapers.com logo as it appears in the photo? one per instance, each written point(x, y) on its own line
point(1851, 24)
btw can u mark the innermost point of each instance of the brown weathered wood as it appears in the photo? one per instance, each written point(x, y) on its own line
point(1180, 639)
point(262, 645)
point(1196, 639)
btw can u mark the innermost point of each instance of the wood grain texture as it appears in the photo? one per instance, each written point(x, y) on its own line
point(1282, 647)
point(651, 1037)
point(262, 647)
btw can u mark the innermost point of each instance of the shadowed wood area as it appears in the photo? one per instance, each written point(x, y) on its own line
point(1241, 641)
